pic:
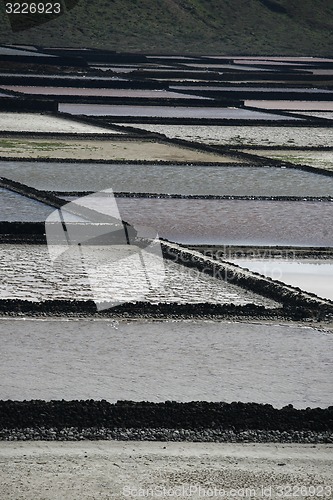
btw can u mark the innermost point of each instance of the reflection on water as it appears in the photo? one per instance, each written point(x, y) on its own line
point(172, 179)
point(314, 276)
point(180, 361)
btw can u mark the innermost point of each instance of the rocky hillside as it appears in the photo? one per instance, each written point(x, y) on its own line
point(300, 27)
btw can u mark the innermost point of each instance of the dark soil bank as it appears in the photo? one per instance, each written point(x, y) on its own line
point(194, 421)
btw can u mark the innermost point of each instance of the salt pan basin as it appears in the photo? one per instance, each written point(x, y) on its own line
point(314, 276)
point(174, 179)
point(169, 360)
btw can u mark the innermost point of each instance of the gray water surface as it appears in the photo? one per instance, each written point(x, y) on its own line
point(234, 222)
point(314, 276)
point(226, 222)
point(172, 360)
point(170, 112)
point(171, 179)
point(14, 207)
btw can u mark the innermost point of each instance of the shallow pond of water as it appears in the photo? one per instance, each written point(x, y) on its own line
point(170, 112)
point(324, 72)
point(312, 276)
point(218, 67)
point(324, 114)
point(234, 222)
point(14, 207)
point(171, 179)
point(282, 59)
point(292, 105)
point(21, 52)
point(226, 222)
point(98, 92)
point(243, 88)
point(173, 360)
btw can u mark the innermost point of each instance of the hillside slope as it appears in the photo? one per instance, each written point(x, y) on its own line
point(300, 27)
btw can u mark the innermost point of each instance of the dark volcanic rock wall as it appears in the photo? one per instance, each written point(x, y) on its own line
point(194, 415)
point(169, 421)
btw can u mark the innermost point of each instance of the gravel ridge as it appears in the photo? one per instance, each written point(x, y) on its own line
point(163, 434)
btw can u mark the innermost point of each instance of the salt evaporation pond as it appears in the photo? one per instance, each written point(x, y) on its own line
point(170, 112)
point(324, 114)
point(172, 179)
point(226, 222)
point(282, 59)
point(292, 105)
point(14, 207)
point(244, 88)
point(319, 159)
point(97, 92)
point(17, 52)
point(159, 361)
point(314, 276)
point(28, 273)
point(234, 222)
point(36, 122)
point(244, 135)
point(76, 77)
point(74, 149)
